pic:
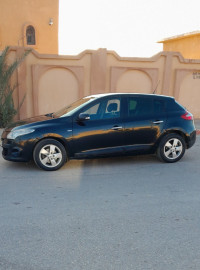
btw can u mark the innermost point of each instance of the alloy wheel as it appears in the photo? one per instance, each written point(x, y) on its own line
point(173, 148)
point(50, 155)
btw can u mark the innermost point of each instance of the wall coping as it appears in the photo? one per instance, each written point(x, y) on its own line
point(111, 52)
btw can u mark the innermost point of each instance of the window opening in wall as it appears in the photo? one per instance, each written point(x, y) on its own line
point(30, 35)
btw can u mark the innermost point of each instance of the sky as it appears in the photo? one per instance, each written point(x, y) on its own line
point(129, 27)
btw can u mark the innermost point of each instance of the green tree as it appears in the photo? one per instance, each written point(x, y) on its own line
point(7, 109)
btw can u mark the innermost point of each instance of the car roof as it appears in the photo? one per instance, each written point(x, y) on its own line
point(129, 94)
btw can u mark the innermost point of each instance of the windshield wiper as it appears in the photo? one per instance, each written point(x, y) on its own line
point(49, 115)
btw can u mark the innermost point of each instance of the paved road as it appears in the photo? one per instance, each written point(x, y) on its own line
point(113, 214)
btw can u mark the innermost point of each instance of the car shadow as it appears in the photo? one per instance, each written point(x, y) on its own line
point(111, 161)
point(84, 164)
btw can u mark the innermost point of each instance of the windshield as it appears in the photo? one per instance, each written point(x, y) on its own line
point(70, 109)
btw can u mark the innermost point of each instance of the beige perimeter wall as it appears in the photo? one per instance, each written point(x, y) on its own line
point(51, 82)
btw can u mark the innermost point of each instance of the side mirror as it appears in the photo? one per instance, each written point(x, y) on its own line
point(83, 117)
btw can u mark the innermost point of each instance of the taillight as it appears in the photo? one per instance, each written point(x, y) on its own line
point(187, 116)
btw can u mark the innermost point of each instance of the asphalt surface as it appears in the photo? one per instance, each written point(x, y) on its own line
point(113, 214)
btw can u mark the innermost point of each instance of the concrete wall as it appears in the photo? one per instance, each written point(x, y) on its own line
point(51, 82)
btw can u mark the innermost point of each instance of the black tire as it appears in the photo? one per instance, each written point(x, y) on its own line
point(171, 148)
point(49, 155)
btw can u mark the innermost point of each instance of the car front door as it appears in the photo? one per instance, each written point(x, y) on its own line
point(102, 132)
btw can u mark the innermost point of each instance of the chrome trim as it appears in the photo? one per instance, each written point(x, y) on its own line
point(116, 128)
point(158, 122)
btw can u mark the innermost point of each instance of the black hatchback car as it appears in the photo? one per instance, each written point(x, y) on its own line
point(103, 125)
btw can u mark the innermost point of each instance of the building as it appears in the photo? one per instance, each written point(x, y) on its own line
point(30, 23)
point(187, 44)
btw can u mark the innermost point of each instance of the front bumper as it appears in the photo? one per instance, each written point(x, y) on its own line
point(13, 151)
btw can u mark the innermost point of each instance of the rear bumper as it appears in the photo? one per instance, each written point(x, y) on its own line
point(191, 139)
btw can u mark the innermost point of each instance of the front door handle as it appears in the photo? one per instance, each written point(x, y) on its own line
point(158, 122)
point(116, 128)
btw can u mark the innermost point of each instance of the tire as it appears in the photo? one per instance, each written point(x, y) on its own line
point(49, 155)
point(171, 148)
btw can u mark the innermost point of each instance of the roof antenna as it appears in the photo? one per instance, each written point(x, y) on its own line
point(156, 87)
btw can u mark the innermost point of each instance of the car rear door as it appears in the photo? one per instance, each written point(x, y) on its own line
point(142, 124)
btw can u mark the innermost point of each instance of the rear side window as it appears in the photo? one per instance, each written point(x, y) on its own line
point(174, 106)
point(158, 106)
point(139, 107)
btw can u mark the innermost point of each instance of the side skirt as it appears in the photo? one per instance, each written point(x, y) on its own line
point(114, 151)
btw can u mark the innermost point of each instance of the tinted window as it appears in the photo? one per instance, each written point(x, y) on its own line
point(139, 106)
point(105, 109)
point(158, 106)
point(113, 105)
point(93, 110)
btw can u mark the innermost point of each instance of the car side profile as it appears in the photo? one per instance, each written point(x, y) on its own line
point(103, 125)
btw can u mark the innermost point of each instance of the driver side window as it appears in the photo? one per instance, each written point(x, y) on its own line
point(94, 112)
point(105, 109)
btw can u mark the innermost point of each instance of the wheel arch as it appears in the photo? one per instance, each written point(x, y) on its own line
point(63, 142)
point(172, 131)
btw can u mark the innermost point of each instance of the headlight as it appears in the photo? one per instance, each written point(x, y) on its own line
point(15, 133)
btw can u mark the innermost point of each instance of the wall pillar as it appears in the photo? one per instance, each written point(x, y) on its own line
point(98, 71)
point(167, 73)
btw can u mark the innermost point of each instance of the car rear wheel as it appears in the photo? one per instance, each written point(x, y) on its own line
point(49, 155)
point(171, 148)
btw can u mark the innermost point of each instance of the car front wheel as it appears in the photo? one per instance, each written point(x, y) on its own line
point(49, 155)
point(171, 148)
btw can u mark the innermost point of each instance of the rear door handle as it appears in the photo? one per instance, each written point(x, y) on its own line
point(117, 128)
point(158, 122)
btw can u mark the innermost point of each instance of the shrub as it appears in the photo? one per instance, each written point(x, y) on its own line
point(7, 109)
